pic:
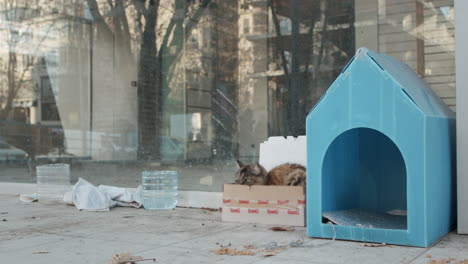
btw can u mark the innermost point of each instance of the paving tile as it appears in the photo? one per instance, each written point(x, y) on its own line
point(69, 251)
point(451, 247)
point(20, 242)
point(176, 255)
point(248, 234)
point(329, 251)
point(66, 235)
point(274, 260)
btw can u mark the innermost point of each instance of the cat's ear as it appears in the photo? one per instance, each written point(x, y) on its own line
point(257, 167)
point(239, 163)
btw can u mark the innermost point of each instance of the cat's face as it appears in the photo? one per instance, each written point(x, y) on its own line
point(250, 174)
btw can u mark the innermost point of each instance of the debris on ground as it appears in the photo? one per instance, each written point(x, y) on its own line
point(250, 250)
point(211, 209)
point(41, 252)
point(279, 228)
point(272, 252)
point(29, 198)
point(428, 256)
point(126, 258)
point(128, 216)
point(250, 247)
point(375, 245)
point(272, 245)
point(233, 252)
point(221, 245)
point(449, 260)
point(5, 220)
point(297, 243)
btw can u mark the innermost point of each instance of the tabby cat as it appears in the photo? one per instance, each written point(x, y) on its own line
point(284, 174)
point(287, 174)
point(251, 174)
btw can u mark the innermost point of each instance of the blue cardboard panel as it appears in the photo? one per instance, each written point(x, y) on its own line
point(380, 140)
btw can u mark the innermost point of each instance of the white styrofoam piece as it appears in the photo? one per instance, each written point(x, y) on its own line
point(279, 150)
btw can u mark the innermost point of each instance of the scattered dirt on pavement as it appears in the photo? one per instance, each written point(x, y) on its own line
point(279, 228)
point(233, 252)
point(375, 245)
point(449, 260)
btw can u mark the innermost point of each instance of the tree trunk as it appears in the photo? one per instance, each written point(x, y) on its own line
point(149, 89)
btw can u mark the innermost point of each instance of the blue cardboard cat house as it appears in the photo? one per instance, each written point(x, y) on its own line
point(380, 157)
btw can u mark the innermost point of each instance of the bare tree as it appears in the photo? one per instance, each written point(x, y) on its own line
point(18, 70)
point(151, 80)
point(298, 95)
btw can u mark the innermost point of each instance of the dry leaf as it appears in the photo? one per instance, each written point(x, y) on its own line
point(233, 252)
point(439, 261)
point(41, 252)
point(279, 228)
point(448, 260)
point(273, 251)
point(124, 258)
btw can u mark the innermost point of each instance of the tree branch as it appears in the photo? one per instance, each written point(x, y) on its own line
point(94, 9)
point(140, 7)
point(284, 63)
point(13, 86)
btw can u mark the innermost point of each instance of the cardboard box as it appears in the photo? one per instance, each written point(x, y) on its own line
point(278, 205)
point(263, 204)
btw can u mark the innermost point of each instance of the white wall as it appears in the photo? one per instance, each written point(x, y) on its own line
point(461, 58)
point(367, 30)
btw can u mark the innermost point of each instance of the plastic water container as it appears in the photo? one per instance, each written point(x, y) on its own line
point(53, 181)
point(159, 190)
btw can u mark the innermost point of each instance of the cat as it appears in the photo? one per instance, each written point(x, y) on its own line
point(251, 174)
point(284, 174)
point(287, 174)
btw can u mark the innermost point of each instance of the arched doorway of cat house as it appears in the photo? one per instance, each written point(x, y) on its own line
point(364, 183)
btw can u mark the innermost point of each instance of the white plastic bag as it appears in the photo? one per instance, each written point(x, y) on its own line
point(86, 196)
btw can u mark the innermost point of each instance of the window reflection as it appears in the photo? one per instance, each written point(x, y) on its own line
point(117, 87)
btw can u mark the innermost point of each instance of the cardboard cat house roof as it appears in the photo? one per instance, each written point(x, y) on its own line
point(379, 141)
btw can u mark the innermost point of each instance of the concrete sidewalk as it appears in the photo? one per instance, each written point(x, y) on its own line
point(57, 233)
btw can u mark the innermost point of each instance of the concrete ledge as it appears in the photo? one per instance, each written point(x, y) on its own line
point(186, 198)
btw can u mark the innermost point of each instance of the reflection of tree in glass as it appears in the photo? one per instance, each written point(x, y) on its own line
point(19, 60)
point(157, 36)
point(308, 37)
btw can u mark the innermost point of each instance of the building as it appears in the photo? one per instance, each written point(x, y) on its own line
point(118, 87)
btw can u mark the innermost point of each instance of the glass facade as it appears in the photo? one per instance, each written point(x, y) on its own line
point(115, 87)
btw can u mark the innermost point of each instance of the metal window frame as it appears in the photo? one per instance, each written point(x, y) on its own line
point(461, 69)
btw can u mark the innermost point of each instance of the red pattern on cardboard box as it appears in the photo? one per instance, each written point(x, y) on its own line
point(301, 201)
point(227, 201)
point(293, 212)
point(235, 210)
point(244, 201)
point(253, 211)
point(272, 211)
point(283, 202)
point(262, 201)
